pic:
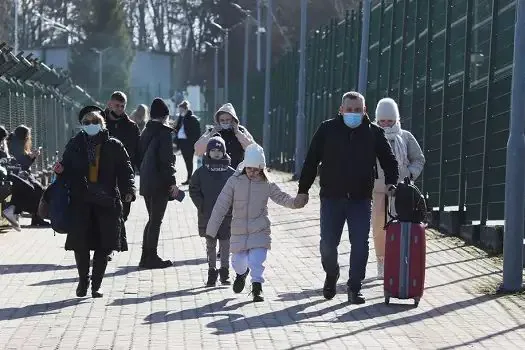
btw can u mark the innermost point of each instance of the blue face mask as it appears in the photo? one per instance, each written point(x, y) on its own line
point(353, 120)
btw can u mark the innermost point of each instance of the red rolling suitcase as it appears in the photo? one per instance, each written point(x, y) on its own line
point(405, 252)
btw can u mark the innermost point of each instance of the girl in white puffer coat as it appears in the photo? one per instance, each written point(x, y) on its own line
point(410, 160)
point(248, 191)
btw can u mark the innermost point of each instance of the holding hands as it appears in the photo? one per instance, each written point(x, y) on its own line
point(301, 200)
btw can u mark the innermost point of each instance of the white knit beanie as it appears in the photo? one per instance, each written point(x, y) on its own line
point(253, 157)
point(387, 110)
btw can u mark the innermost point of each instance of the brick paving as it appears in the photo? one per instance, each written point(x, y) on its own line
point(170, 309)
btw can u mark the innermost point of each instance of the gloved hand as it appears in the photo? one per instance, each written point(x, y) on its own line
point(301, 200)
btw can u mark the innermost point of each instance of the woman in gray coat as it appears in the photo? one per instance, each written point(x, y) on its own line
point(205, 186)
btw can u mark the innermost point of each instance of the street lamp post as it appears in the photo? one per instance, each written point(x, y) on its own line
point(16, 26)
point(100, 53)
point(246, 61)
point(226, 57)
point(215, 73)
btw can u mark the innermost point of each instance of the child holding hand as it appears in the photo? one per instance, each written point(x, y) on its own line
point(248, 191)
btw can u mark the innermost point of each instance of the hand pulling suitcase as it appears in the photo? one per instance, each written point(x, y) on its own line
point(405, 253)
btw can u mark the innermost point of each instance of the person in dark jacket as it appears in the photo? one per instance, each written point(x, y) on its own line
point(28, 191)
point(205, 186)
point(227, 126)
point(98, 170)
point(347, 148)
point(121, 127)
point(157, 180)
point(187, 132)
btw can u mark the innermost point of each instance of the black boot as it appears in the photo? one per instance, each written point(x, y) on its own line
point(82, 261)
point(155, 262)
point(143, 259)
point(330, 286)
point(240, 281)
point(355, 298)
point(100, 262)
point(36, 221)
point(257, 292)
point(212, 277)
point(224, 274)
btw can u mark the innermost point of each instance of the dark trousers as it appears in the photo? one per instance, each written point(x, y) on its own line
point(357, 214)
point(187, 149)
point(100, 262)
point(156, 206)
point(25, 194)
point(126, 208)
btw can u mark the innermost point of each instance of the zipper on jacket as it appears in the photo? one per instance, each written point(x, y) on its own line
point(248, 212)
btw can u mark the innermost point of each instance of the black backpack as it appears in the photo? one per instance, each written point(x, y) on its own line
point(410, 204)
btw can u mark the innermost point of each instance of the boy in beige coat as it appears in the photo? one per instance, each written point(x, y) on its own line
point(248, 191)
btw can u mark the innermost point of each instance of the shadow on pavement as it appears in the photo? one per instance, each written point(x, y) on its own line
point(378, 310)
point(121, 271)
point(13, 313)
point(166, 295)
point(29, 268)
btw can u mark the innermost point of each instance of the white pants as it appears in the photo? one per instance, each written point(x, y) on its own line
point(253, 259)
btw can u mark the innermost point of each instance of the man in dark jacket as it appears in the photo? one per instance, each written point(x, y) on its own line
point(125, 130)
point(187, 132)
point(157, 180)
point(347, 148)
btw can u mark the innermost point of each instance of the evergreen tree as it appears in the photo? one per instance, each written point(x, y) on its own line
point(104, 27)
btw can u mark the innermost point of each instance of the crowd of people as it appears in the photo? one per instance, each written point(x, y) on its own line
point(359, 162)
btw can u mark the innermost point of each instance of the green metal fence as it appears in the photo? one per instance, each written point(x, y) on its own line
point(447, 62)
point(42, 98)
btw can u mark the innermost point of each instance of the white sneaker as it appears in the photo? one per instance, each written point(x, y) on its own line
point(9, 214)
point(380, 268)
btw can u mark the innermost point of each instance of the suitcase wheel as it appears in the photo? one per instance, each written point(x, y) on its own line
point(387, 300)
point(416, 301)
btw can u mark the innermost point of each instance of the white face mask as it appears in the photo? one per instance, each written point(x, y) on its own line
point(92, 129)
point(226, 126)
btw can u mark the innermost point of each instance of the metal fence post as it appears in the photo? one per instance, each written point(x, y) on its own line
point(300, 131)
point(363, 62)
point(267, 82)
point(488, 115)
point(515, 172)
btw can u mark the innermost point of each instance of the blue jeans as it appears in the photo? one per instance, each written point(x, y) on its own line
point(357, 214)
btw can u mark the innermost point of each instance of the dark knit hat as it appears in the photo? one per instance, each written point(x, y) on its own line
point(89, 109)
point(159, 109)
point(216, 143)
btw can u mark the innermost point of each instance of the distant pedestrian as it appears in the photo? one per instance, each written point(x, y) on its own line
point(187, 131)
point(205, 186)
point(347, 147)
point(227, 126)
point(410, 160)
point(99, 172)
point(140, 116)
point(248, 192)
point(121, 127)
point(157, 180)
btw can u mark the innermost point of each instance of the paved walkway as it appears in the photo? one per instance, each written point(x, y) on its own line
point(170, 309)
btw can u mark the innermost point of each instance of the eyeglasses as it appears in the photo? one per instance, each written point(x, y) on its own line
point(91, 122)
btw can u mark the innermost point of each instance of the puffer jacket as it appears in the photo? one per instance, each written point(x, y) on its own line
point(250, 227)
point(416, 162)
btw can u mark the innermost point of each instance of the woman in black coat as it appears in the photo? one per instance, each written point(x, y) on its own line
point(27, 189)
point(157, 180)
point(98, 170)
